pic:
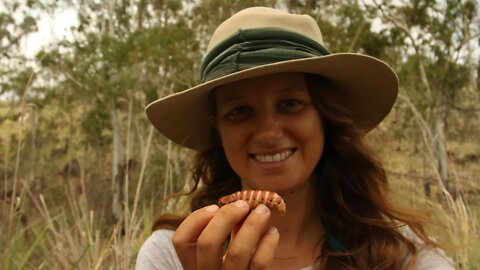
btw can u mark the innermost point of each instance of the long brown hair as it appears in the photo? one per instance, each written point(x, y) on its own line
point(351, 192)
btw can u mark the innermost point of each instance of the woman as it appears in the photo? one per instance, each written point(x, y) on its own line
point(277, 112)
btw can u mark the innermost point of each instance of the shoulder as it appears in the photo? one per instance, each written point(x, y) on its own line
point(433, 259)
point(157, 252)
point(428, 258)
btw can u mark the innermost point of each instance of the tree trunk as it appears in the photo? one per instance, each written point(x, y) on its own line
point(117, 151)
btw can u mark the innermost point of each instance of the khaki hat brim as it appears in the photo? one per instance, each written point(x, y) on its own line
point(368, 86)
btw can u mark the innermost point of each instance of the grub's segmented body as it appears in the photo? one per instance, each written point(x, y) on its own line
point(255, 197)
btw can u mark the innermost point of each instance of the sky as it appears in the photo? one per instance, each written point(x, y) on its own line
point(51, 29)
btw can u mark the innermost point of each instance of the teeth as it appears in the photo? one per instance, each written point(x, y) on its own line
point(275, 157)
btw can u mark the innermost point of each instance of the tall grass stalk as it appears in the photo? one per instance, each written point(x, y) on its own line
point(5, 183)
point(13, 204)
point(462, 227)
point(146, 153)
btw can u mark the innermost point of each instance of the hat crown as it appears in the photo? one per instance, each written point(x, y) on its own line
point(263, 17)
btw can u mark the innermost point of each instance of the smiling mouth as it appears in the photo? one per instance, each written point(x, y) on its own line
point(275, 157)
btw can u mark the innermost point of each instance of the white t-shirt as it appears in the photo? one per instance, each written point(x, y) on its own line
point(158, 253)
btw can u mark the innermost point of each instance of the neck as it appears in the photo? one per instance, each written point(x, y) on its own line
point(300, 229)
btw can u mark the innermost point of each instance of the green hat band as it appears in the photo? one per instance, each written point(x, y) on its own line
point(255, 47)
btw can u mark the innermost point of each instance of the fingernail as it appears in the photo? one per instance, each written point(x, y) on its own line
point(273, 230)
point(211, 208)
point(241, 204)
point(261, 209)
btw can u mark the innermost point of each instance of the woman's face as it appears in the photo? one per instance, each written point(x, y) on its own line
point(271, 132)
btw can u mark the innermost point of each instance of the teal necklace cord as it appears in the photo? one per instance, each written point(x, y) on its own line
point(332, 240)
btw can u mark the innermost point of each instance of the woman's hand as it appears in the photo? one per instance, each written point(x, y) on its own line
point(199, 240)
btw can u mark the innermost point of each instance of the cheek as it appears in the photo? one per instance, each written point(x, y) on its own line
point(231, 140)
point(314, 137)
point(236, 158)
point(232, 134)
point(227, 137)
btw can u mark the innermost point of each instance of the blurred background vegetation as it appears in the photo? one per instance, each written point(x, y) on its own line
point(85, 174)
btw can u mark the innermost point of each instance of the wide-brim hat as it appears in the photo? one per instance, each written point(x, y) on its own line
point(260, 41)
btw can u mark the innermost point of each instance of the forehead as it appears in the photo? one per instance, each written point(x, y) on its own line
point(281, 82)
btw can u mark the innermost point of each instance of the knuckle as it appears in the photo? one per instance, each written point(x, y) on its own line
point(235, 254)
point(258, 264)
point(176, 240)
point(204, 245)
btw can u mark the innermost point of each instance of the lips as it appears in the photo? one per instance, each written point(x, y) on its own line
point(273, 157)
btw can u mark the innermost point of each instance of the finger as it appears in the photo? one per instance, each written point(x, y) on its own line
point(265, 252)
point(211, 241)
point(185, 237)
point(242, 247)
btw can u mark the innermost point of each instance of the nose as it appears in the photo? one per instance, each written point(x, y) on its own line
point(268, 130)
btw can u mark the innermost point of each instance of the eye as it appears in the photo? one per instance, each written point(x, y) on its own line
point(291, 105)
point(238, 113)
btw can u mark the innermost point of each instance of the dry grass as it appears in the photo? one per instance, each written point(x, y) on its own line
point(67, 224)
point(455, 215)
